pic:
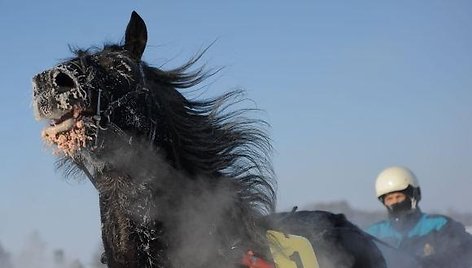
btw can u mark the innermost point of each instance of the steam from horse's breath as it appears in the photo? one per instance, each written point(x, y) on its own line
point(194, 216)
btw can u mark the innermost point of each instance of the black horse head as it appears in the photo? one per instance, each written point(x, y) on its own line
point(87, 93)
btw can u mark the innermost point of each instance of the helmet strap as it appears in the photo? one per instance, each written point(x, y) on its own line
point(414, 203)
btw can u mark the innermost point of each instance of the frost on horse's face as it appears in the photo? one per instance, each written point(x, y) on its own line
point(91, 92)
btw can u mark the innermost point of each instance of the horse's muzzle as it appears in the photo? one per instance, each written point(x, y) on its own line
point(54, 92)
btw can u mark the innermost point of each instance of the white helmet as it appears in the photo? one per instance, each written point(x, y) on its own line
point(395, 179)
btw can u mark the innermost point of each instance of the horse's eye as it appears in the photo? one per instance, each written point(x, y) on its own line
point(105, 62)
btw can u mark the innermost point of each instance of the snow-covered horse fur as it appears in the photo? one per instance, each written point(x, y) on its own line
point(181, 182)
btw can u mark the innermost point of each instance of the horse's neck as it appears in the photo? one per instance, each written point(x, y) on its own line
point(155, 216)
point(132, 231)
point(130, 178)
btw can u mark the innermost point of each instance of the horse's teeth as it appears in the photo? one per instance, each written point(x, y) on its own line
point(61, 127)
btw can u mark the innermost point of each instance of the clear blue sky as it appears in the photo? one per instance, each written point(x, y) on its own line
point(349, 87)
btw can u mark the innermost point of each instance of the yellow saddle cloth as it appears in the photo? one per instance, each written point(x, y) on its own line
point(291, 251)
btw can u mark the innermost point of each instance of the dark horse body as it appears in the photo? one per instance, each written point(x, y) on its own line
point(182, 183)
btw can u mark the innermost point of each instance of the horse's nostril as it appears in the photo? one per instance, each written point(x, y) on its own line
point(63, 82)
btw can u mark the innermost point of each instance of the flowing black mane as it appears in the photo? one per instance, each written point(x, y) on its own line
point(203, 139)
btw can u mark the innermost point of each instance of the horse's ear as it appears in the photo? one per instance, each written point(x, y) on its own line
point(136, 36)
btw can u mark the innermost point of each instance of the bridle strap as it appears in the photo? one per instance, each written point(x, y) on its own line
point(106, 113)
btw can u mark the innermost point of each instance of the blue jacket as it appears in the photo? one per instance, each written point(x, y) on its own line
point(434, 240)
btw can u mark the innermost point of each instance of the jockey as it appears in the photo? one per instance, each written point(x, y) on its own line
point(434, 240)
